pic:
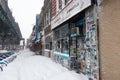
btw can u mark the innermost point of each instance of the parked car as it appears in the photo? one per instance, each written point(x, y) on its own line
point(6, 57)
point(5, 54)
point(2, 64)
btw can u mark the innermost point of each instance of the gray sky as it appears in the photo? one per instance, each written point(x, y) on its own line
point(24, 12)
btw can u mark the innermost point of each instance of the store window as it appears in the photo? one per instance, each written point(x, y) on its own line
point(95, 1)
point(57, 34)
point(81, 31)
point(50, 45)
point(60, 37)
point(58, 46)
point(65, 46)
point(47, 46)
point(64, 31)
point(62, 46)
point(61, 32)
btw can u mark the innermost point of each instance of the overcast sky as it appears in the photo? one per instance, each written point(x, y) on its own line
point(24, 12)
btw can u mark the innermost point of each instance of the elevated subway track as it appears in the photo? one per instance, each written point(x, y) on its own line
point(9, 29)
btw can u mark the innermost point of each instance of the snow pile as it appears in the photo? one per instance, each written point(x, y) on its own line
point(3, 51)
point(30, 67)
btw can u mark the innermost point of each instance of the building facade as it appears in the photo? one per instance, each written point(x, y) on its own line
point(47, 32)
point(41, 30)
point(75, 40)
point(109, 39)
point(83, 36)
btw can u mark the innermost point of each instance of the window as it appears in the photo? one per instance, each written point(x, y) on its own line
point(60, 4)
point(49, 15)
point(81, 30)
point(44, 20)
point(66, 2)
point(50, 45)
point(57, 34)
point(47, 46)
point(47, 18)
point(64, 31)
point(65, 47)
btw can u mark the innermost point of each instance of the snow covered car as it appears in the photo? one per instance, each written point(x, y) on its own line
point(11, 58)
point(4, 54)
point(7, 56)
point(2, 64)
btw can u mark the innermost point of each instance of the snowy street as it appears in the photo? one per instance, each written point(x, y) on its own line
point(34, 67)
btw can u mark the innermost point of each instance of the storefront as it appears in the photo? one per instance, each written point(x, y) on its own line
point(84, 43)
point(76, 40)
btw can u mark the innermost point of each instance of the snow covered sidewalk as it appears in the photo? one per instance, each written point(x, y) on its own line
point(31, 67)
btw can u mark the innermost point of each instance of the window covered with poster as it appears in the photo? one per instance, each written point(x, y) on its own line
point(91, 43)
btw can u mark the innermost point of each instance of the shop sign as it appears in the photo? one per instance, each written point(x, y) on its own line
point(36, 32)
point(69, 11)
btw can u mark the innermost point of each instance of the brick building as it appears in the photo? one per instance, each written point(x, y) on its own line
point(45, 25)
point(85, 32)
